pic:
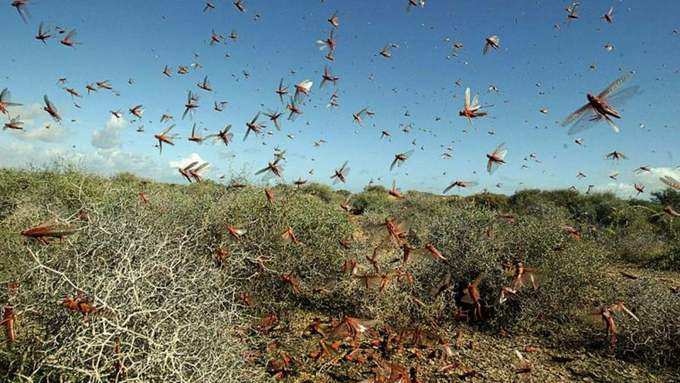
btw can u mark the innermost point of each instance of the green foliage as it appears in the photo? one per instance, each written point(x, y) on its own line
point(490, 200)
point(537, 241)
point(667, 197)
point(373, 199)
point(167, 275)
point(669, 260)
point(315, 262)
point(323, 192)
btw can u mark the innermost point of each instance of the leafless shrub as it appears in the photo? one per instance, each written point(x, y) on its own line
point(163, 311)
point(656, 337)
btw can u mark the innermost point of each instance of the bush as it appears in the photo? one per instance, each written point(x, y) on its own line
point(372, 200)
point(538, 241)
point(656, 337)
point(323, 192)
point(170, 282)
point(669, 260)
point(667, 197)
point(150, 278)
point(316, 262)
point(633, 237)
point(490, 200)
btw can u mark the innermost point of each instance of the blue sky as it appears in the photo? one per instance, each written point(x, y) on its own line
point(537, 66)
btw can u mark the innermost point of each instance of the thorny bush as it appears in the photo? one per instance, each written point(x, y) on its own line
point(177, 295)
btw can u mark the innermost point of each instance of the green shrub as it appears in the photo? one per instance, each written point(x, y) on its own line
point(154, 269)
point(668, 260)
point(323, 192)
point(372, 200)
point(490, 200)
point(316, 262)
point(538, 241)
point(667, 197)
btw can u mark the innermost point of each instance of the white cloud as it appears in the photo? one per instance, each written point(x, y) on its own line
point(622, 189)
point(16, 153)
point(186, 161)
point(100, 161)
point(652, 180)
point(664, 171)
point(181, 163)
point(28, 154)
point(29, 113)
point(52, 134)
point(115, 160)
point(109, 136)
point(34, 117)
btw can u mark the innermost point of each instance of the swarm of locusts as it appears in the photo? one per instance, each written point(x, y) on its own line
point(339, 337)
